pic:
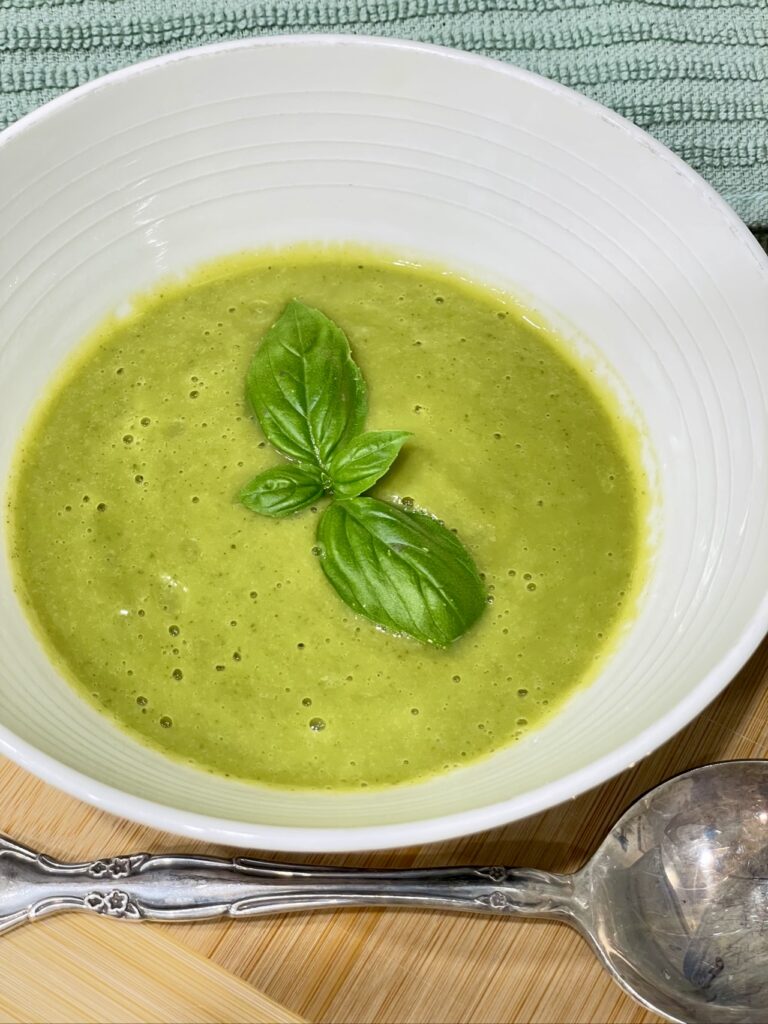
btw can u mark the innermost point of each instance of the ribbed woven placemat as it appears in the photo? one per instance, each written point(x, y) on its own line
point(694, 73)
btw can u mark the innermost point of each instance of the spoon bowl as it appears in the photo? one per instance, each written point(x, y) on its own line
point(674, 901)
point(676, 896)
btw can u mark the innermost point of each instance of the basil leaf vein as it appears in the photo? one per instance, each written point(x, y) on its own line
point(402, 570)
point(304, 386)
point(282, 490)
point(365, 459)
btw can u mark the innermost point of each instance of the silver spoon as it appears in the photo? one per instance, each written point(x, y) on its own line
point(674, 902)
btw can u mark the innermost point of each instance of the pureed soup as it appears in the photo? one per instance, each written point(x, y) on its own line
point(213, 634)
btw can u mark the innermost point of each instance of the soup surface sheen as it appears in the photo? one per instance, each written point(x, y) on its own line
point(212, 634)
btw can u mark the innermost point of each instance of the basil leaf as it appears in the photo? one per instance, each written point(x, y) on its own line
point(282, 490)
point(403, 570)
point(305, 388)
point(365, 459)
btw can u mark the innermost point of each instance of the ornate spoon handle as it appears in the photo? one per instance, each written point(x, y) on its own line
point(178, 888)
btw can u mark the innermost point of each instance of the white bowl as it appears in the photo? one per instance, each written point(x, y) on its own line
point(511, 179)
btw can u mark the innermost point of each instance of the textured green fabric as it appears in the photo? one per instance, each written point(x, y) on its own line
point(694, 73)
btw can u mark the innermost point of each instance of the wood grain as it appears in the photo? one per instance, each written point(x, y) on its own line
point(67, 970)
point(350, 967)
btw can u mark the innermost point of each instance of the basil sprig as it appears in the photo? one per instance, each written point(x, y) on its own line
point(401, 569)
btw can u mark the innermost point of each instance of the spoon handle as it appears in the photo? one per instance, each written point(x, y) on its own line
point(179, 888)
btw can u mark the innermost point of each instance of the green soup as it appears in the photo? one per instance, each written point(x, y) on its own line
point(212, 634)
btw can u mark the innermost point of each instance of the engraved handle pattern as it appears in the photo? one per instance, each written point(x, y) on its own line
point(179, 888)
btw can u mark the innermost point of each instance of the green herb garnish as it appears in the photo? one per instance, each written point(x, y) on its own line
point(402, 569)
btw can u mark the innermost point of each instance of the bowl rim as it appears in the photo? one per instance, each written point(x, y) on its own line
point(308, 839)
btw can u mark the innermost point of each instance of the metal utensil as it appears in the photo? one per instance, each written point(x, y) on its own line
point(674, 902)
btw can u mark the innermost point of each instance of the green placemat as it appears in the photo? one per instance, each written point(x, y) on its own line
point(694, 73)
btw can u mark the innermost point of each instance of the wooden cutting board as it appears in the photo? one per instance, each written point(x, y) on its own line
point(349, 967)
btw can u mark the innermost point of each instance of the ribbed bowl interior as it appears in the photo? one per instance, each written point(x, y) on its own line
point(508, 179)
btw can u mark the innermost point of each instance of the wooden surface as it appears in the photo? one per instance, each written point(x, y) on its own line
point(81, 974)
point(351, 967)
